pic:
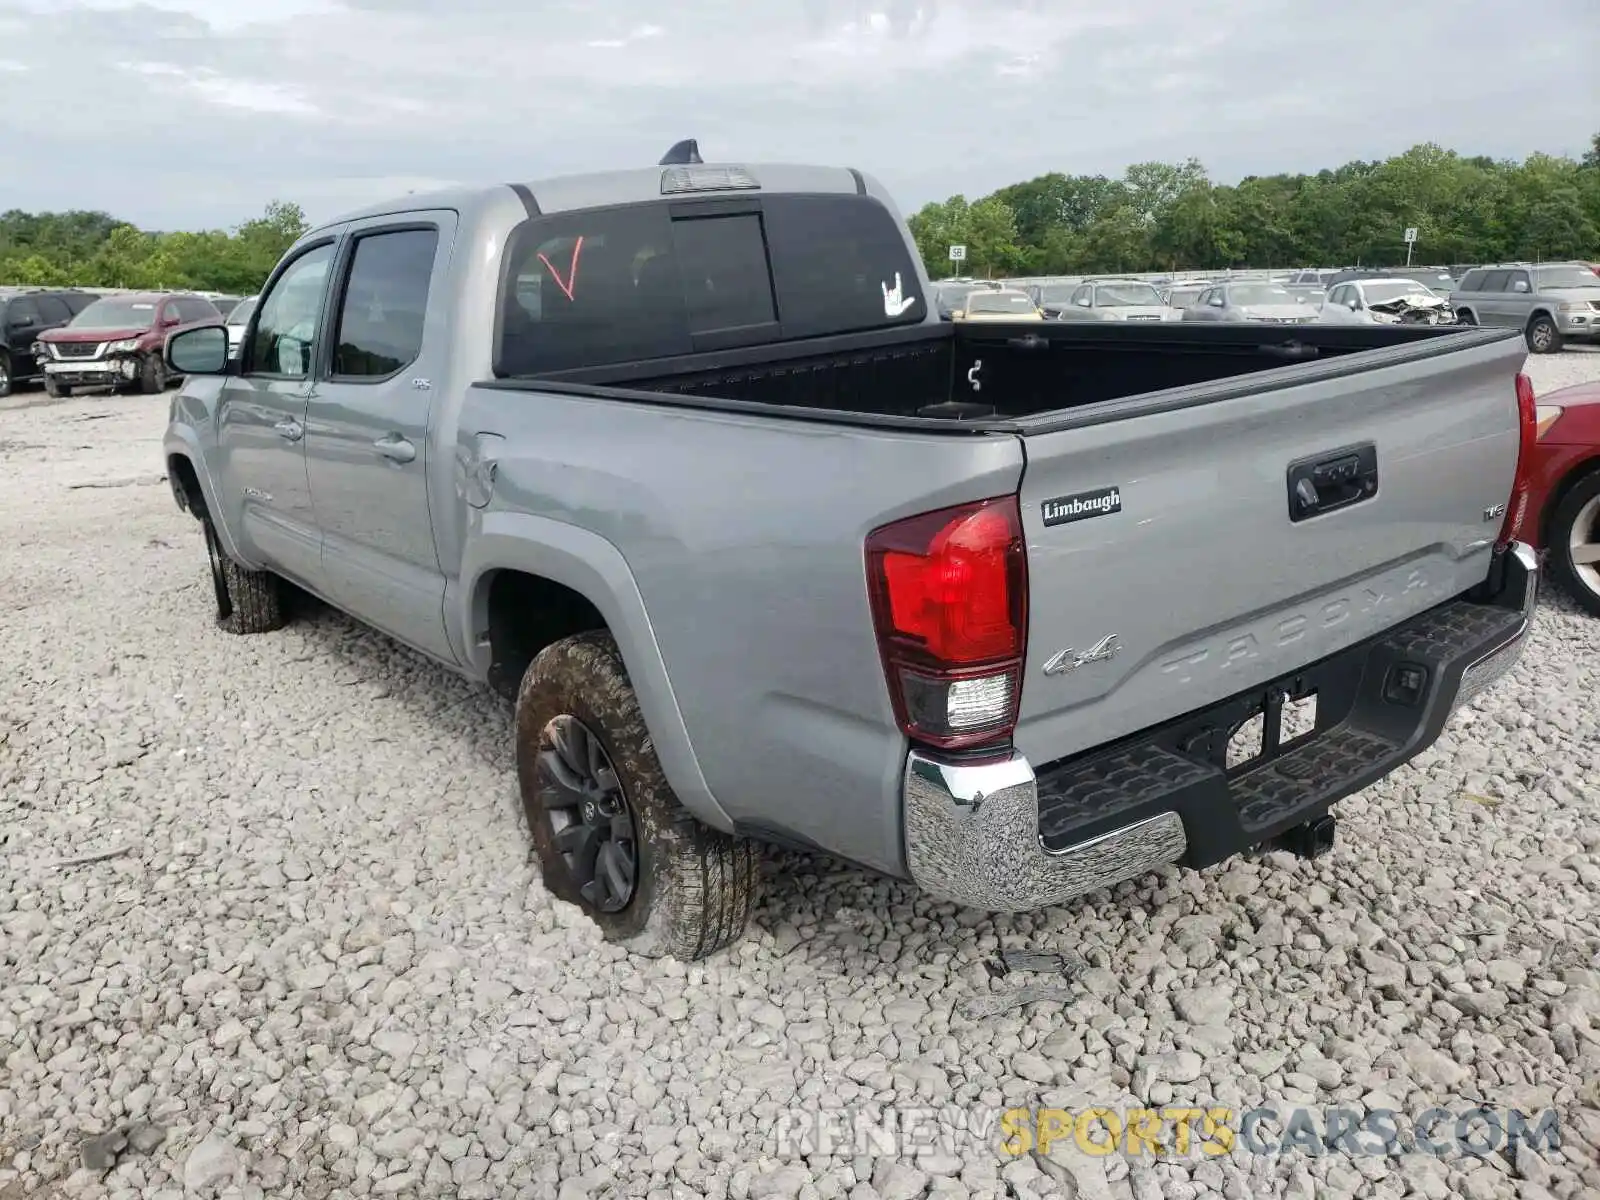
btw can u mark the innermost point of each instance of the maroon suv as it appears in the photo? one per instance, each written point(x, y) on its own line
point(116, 342)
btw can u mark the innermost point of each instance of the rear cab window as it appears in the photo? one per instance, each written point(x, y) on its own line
point(663, 279)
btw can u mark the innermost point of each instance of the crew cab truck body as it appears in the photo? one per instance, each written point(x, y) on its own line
point(681, 459)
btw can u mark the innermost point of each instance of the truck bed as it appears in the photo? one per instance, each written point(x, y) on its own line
point(1022, 370)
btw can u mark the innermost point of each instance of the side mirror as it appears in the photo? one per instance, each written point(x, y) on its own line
point(1353, 304)
point(1520, 285)
point(202, 351)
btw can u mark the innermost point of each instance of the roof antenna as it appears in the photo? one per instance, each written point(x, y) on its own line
point(686, 151)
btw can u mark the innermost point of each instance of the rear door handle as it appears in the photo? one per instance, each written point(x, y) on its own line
point(290, 430)
point(396, 447)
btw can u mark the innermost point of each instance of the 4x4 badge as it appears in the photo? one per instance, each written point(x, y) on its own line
point(1069, 659)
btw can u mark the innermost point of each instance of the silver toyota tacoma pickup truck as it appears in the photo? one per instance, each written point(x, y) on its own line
point(682, 460)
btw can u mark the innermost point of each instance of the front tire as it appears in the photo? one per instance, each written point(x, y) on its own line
point(1465, 317)
point(247, 601)
point(152, 375)
point(1573, 540)
point(609, 834)
point(55, 390)
point(1543, 336)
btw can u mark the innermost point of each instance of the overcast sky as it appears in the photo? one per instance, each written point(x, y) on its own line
point(195, 113)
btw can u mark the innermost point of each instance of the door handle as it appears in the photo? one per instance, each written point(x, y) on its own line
point(1332, 480)
point(395, 447)
point(290, 430)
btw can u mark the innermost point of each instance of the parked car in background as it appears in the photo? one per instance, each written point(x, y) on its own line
point(1564, 501)
point(1250, 300)
point(1313, 279)
point(1181, 293)
point(1384, 302)
point(238, 319)
point(1552, 303)
point(1112, 300)
point(1001, 305)
point(116, 342)
point(950, 295)
point(1052, 293)
point(25, 313)
point(1435, 279)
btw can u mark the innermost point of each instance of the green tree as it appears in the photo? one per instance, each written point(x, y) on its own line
point(93, 249)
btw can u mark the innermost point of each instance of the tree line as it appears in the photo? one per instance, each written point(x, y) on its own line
point(1156, 217)
point(94, 249)
point(1172, 217)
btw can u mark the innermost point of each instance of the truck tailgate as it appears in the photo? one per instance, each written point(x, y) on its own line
point(1169, 566)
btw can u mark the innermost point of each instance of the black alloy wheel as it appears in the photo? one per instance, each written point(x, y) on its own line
point(589, 816)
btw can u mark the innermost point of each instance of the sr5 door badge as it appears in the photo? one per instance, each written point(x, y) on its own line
point(1069, 659)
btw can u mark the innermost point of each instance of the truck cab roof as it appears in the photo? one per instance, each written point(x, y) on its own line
point(639, 185)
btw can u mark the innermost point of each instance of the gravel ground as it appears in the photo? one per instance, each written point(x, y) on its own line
point(312, 959)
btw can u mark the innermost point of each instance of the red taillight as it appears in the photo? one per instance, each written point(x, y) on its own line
point(949, 594)
point(1522, 482)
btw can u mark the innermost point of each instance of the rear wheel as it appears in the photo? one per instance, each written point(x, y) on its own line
point(610, 835)
point(1543, 336)
point(247, 601)
point(1573, 539)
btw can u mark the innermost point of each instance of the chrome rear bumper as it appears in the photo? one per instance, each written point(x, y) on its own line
point(973, 831)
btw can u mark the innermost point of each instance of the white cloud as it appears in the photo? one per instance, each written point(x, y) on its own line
point(323, 101)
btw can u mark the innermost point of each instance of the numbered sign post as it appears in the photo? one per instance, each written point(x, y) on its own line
point(1411, 240)
point(958, 254)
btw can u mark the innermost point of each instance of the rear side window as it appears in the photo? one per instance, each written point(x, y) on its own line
point(638, 282)
point(384, 303)
point(195, 309)
point(53, 309)
point(1494, 281)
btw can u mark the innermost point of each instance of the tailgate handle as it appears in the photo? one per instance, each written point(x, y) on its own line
point(1332, 480)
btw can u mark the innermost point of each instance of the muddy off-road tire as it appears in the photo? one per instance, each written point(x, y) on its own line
point(589, 778)
point(152, 375)
point(247, 601)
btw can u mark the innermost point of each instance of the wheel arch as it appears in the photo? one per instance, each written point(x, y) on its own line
point(1575, 474)
point(193, 489)
point(517, 559)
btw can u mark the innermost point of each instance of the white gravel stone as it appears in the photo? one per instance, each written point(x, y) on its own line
point(323, 962)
